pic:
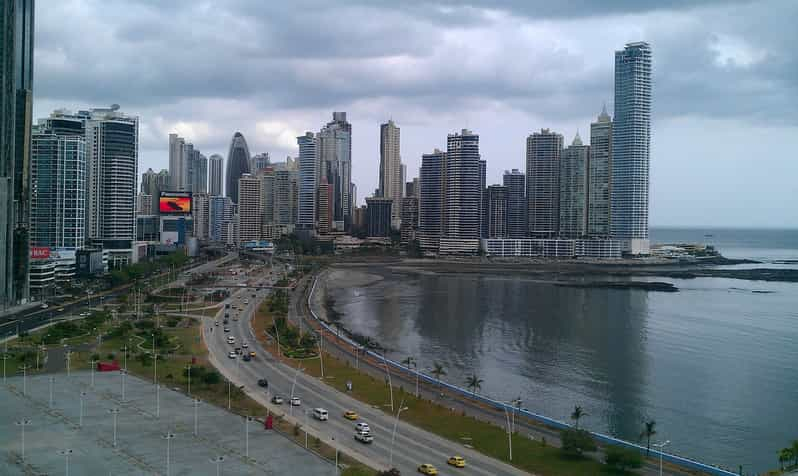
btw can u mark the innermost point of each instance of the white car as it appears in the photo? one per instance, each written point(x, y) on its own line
point(295, 402)
point(362, 427)
point(232, 354)
point(231, 340)
point(244, 345)
point(364, 437)
point(44, 306)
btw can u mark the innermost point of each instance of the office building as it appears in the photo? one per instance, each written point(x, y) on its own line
point(411, 188)
point(574, 189)
point(543, 151)
point(215, 175)
point(286, 194)
point(259, 162)
point(58, 184)
point(483, 199)
point(432, 181)
point(515, 182)
point(153, 184)
point(496, 213)
point(147, 228)
point(220, 214)
point(378, 217)
point(16, 99)
point(631, 137)
point(143, 204)
point(335, 160)
point(462, 195)
point(324, 207)
point(308, 180)
point(599, 173)
point(409, 226)
point(250, 212)
point(237, 165)
point(178, 163)
point(200, 211)
point(391, 177)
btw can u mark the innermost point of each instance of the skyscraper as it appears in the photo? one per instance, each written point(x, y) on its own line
point(220, 212)
point(573, 189)
point(543, 182)
point(432, 181)
point(200, 212)
point(58, 183)
point(178, 163)
point(483, 198)
point(631, 136)
point(286, 194)
point(237, 165)
point(112, 139)
point(515, 181)
point(496, 213)
point(259, 162)
point(335, 158)
point(599, 185)
point(461, 209)
point(324, 208)
point(391, 181)
point(16, 99)
point(308, 180)
point(153, 184)
point(215, 174)
point(378, 216)
point(409, 226)
point(198, 173)
point(250, 212)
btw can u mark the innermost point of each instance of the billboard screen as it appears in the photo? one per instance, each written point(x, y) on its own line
point(174, 203)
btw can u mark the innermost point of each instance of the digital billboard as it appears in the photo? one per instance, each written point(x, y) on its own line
point(39, 252)
point(174, 203)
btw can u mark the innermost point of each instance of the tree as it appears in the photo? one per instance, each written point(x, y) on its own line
point(438, 370)
point(622, 459)
point(785, 456)
point(576, 415)
point(649, 430)
point(794, 450)
point(474, 383)
point(211, 378)
point(576, 442)
point(409, 362)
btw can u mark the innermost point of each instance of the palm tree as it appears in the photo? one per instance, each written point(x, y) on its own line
point(648, 432)
point(438, 371)
point(794, 450)
point(576, 415)
point(474, 383)
point(409, 361)
point(785, 456)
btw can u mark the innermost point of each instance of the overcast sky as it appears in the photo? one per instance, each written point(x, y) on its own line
point(725, 103)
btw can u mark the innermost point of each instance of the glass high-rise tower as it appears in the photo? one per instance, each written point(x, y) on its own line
point(631, 136)
point(237, 165)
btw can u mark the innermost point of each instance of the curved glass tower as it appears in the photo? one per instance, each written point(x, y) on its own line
point(237, 165)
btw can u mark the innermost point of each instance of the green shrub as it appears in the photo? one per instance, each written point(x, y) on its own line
point(622, 459)
point(577, 442)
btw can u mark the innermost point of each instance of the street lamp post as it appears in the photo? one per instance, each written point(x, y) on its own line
point(115, 413)
point(23, 423)
point(122, 375)
point(293, 384)
point(157, 401)
point(93, 365)
point(395, 424)
point(509, 431)
point(189, 379)
point(228, 394)
point(125, 357)
point(196, 405)
point(80, 420)
point(247, 419)
point(154, 362)
point(66, 453)
point(68, 359)
point(388, 373)
point(5, 357)
point(52, 381)
point(24, 379)
point(218, 462)
point(168, 437)
point(661, 446)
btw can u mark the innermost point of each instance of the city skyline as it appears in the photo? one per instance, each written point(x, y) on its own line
point(503, 99)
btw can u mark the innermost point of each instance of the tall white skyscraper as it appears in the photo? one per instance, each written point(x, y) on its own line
point(391, 181)
point(335, 154)
point(543, 151)
point(462, 195)
point(178, 163)
point(308, 180)
point(631, 137)
point(215, 175)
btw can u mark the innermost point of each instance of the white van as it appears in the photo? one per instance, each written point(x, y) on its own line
point(320, 414)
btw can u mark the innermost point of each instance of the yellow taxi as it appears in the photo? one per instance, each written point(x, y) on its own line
point(252, 353)
point(350, 415)
point(456, 461)
point(427, 469)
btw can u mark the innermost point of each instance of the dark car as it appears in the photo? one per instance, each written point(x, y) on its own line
point(247, 358)
point(263, 383)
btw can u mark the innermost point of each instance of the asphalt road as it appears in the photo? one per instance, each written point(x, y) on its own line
point(412, 446)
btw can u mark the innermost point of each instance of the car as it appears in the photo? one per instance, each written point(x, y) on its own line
point(231, 339)
point(295, 402)
point(227, 329)
point(255, 295)
point(226, 315)
point(320, 414)
point(263, 383)
point(252, 353)
point(277, 400)
point(215, 323)
point(237, 350)
point(244, 345)
point(60, 309)
point(365, 438)
point(232, 355)
point(456, 461)
point(362, 426)
point(247, 358)
point(235, 318)
point(44, 306)
point(226, 321)
point(350, 415)
point(84, 314)
point(427, 469)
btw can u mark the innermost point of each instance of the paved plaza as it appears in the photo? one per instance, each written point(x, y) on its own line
point(141, 443)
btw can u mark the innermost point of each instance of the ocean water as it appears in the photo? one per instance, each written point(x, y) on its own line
point(714, 364)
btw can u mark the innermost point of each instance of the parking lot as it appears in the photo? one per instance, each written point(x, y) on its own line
point(142, 446)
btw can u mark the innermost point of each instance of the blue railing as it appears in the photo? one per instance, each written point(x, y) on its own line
point(503, 406)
